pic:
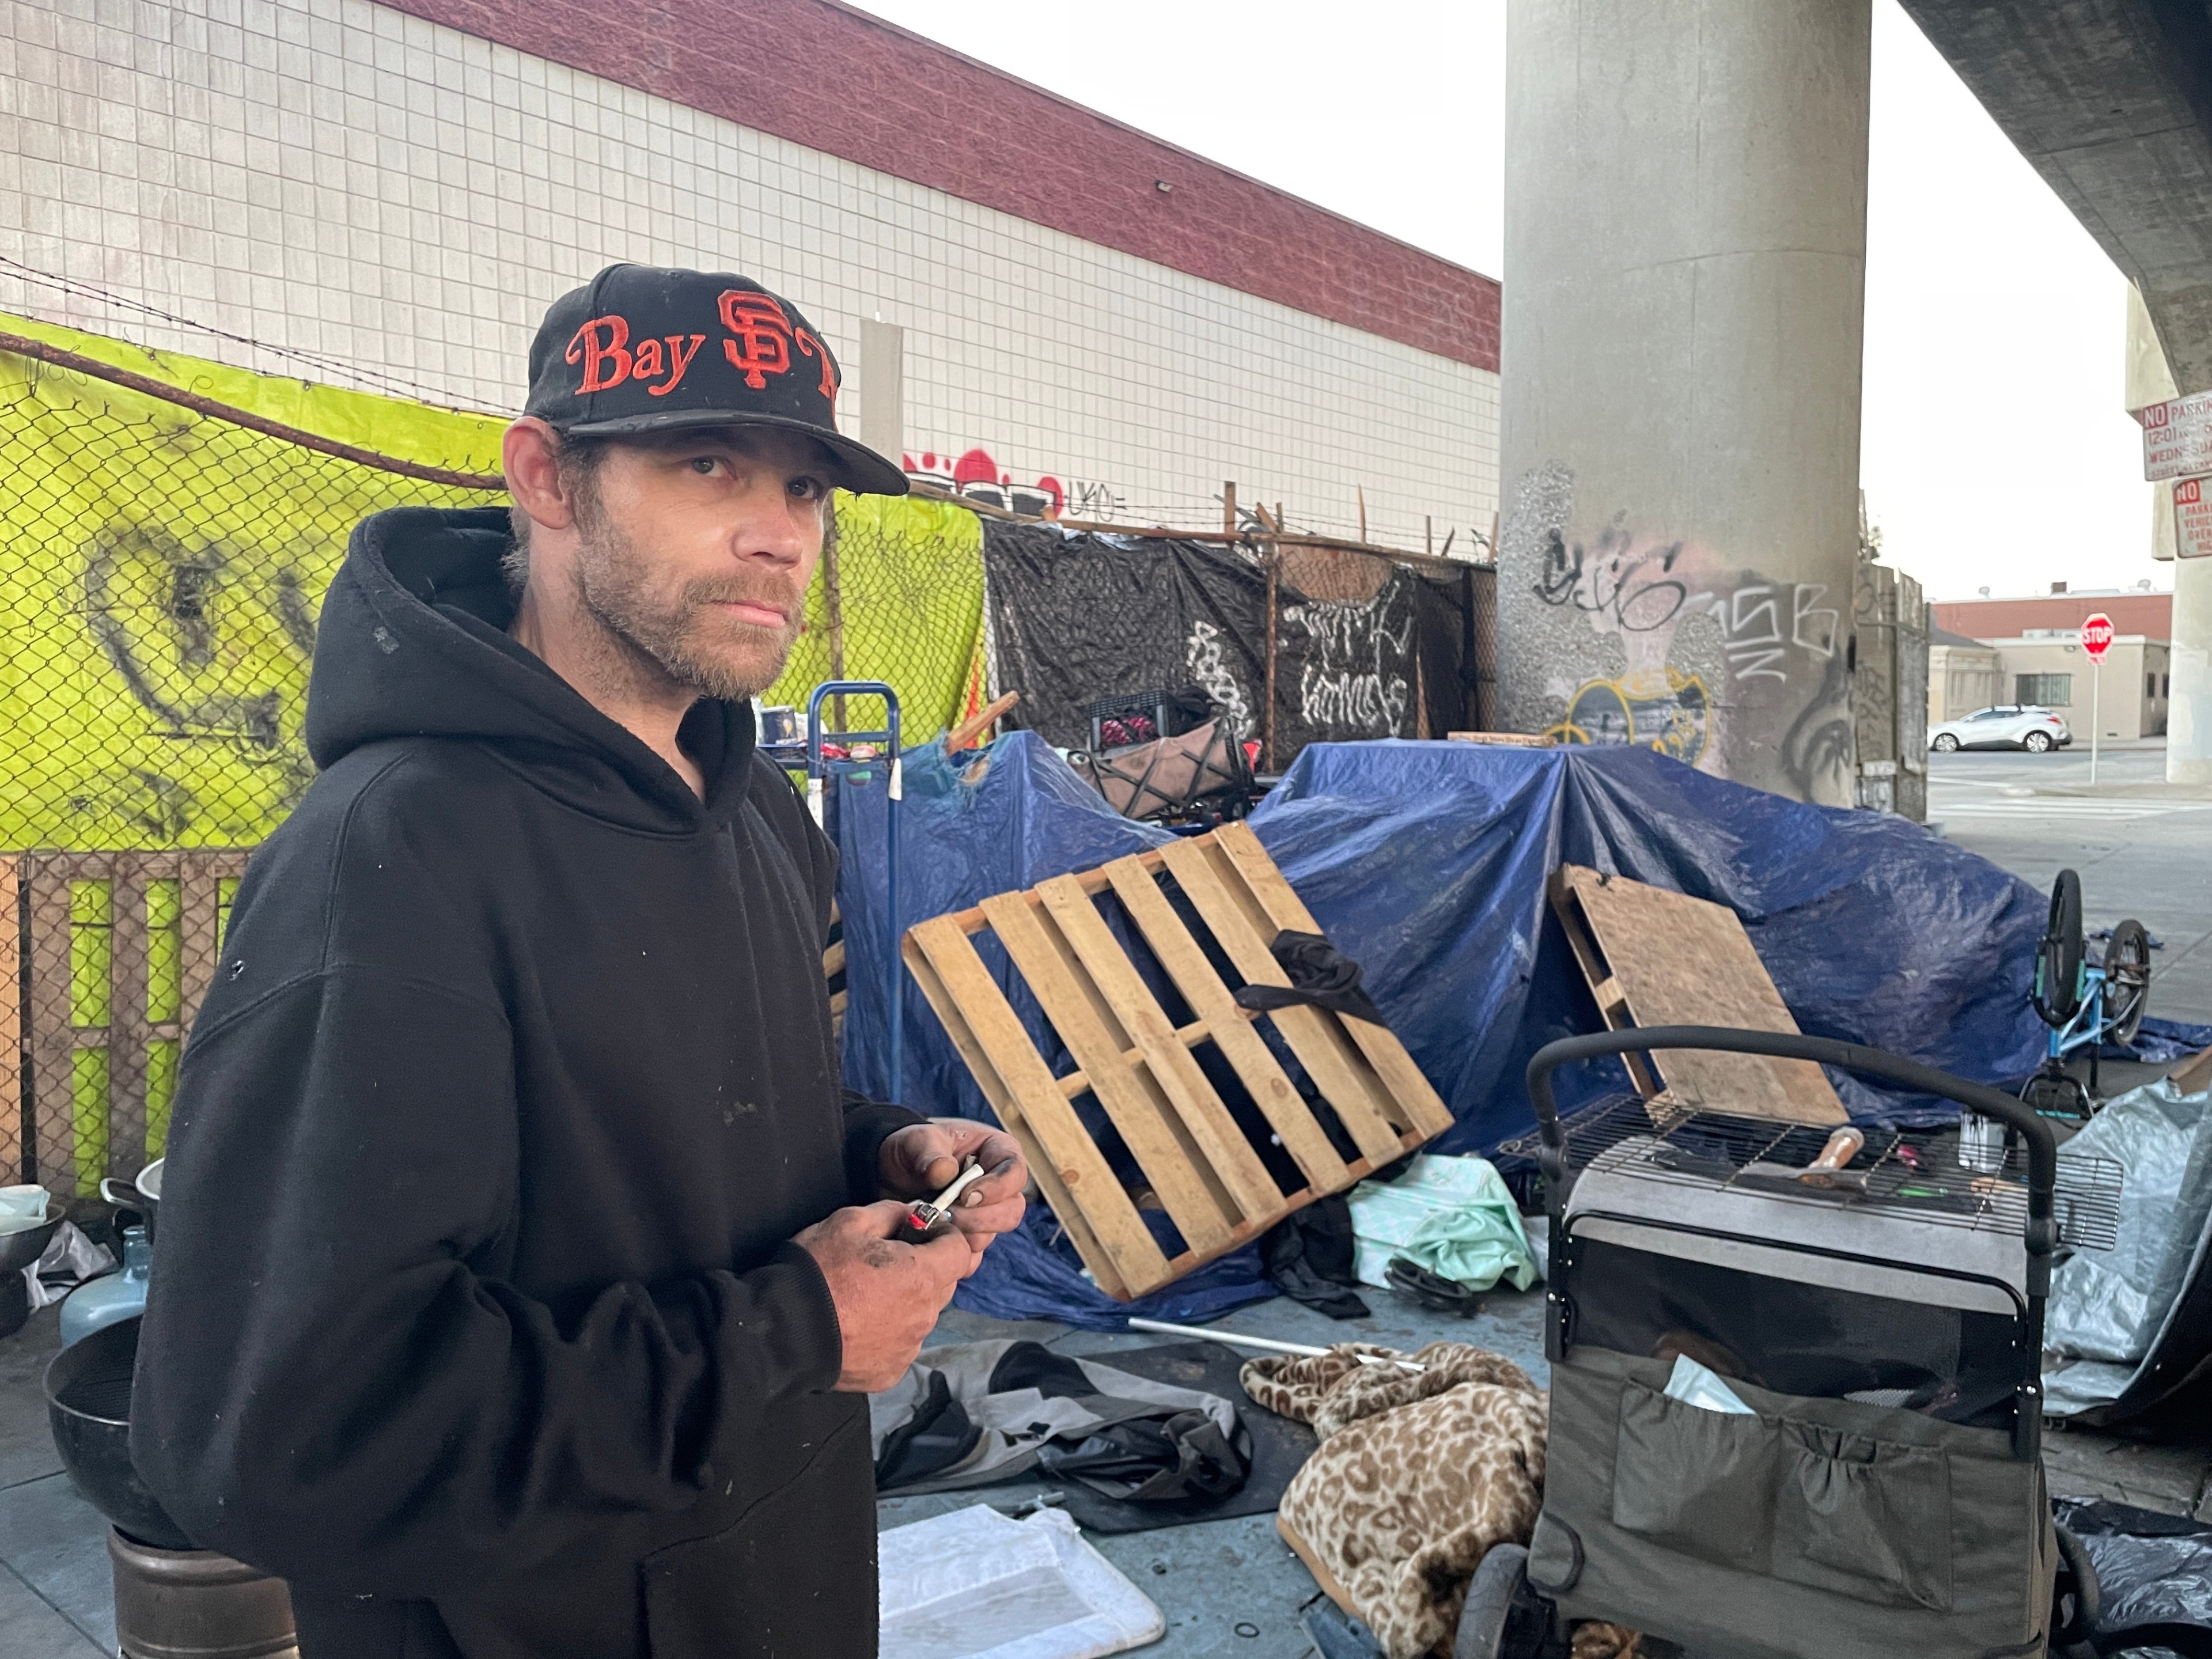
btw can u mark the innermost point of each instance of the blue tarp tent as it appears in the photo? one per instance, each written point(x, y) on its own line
point(1426, 863)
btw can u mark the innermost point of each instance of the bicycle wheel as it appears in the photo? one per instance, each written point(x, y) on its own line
point(2057, 992)
point(2127, 982)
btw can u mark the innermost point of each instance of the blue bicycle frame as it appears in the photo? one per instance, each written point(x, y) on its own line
point(2088, 1024)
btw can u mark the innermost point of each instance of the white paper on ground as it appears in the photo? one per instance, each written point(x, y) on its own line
point(975, 1584)
point(1696, 1385)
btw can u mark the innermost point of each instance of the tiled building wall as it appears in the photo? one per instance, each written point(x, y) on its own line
point(394, 198)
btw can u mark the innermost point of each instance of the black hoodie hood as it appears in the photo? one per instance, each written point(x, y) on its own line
point(413, 643)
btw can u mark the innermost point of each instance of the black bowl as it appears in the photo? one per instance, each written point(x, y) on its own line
point(88, 1404)
point(19, 1250)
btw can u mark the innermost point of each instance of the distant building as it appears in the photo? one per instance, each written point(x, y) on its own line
point(2049, 668)
point(2132, 612)
point(1963, 675)
point(1034, 305)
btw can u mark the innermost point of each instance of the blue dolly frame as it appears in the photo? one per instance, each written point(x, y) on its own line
point(817, 772)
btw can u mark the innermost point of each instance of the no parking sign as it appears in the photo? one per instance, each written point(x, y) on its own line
point(2193, 519)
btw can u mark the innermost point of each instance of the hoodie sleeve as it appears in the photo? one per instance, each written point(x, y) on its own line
point(336, 1384)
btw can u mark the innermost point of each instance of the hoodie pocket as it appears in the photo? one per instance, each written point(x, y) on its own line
point(793, 1577)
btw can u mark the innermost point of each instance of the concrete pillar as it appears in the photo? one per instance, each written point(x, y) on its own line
point(1685, 276)
point(2189, 713)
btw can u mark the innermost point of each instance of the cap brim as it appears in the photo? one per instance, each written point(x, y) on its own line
point(858, 469)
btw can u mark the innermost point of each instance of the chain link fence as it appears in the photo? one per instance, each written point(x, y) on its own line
point(163, 558)
point(161, 566)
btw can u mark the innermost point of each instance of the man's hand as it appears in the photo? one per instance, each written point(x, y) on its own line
point(923, 1159)
point(888, 1292)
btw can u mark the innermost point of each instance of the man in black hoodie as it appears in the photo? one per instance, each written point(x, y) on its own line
point(522, 1267)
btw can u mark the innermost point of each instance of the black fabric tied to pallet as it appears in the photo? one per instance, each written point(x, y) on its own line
point(1321, 976)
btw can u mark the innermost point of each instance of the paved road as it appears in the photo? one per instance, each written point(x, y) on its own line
point(2143, 848)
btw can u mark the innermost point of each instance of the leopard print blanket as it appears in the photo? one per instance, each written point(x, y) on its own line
point(1417, 1475)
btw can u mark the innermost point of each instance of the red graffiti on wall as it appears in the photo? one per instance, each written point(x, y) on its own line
point(977, 477)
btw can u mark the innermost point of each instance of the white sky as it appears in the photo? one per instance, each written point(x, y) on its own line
point(1995, 453)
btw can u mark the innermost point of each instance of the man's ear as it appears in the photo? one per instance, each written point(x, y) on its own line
point(530, 455)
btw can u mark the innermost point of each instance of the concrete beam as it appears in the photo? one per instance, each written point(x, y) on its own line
point(2111, 101)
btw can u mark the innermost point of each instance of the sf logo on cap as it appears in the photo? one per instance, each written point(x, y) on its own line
point(761, 336)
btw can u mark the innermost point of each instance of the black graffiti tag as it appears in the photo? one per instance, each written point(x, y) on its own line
point(1636, 590)
point(160, 612)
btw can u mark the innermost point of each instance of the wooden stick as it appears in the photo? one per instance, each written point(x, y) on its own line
point(1274, 627)
point(964, 734)
point(1362, 488)
point(23, 346)
point(1229, 508)
point(11, 1028)
point(1161, 532)
point(833, 605)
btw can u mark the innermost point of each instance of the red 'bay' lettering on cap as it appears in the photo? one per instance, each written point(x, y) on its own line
point(605, 363)
point(680, 354)
point(762, 342)
point(814, 348)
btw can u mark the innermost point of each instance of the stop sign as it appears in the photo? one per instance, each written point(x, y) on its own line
point(2097, 636)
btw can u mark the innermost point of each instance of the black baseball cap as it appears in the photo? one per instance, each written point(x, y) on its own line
point(639, 350)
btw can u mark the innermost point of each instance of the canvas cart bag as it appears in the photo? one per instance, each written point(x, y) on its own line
point(1876, 1488)
point(1201, 771)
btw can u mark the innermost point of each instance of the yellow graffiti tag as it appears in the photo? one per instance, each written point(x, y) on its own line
point(1659, 709)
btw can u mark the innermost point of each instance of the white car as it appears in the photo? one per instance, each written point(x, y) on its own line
point(2008, 726)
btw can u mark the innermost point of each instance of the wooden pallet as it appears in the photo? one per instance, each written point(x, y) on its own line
point(1653, 958)
point(1141, 1067)
point(78, 907)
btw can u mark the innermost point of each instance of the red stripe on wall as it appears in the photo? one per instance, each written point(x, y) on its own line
point(2148, 614)
point(823, 75)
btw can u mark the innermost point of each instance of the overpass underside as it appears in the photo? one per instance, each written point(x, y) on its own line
point(2112, 102)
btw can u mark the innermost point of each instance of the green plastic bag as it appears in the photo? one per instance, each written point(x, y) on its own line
point(1453, 1215)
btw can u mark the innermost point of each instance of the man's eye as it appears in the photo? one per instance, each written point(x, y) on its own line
point(704, 465)
point(808, 489)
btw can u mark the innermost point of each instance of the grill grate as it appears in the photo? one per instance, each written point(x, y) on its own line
point(1914, 1171)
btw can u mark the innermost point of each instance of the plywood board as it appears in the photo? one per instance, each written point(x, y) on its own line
point(1655, 957)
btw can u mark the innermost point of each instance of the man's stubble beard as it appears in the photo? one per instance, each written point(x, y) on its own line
point(687, 641)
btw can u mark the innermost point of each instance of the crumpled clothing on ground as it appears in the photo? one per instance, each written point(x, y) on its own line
point(1333, 1389)
point(1592, 1640)
point(1416, 1476)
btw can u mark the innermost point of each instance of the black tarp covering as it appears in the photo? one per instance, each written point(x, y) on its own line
point(1077, 617)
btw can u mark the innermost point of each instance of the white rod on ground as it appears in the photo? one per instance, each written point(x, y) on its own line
point(1232, 1339)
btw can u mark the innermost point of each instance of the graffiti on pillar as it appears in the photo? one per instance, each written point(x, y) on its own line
point(1667, 710)
point(1673, 645)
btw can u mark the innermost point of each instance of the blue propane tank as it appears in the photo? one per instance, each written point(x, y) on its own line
point(102, 1302)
